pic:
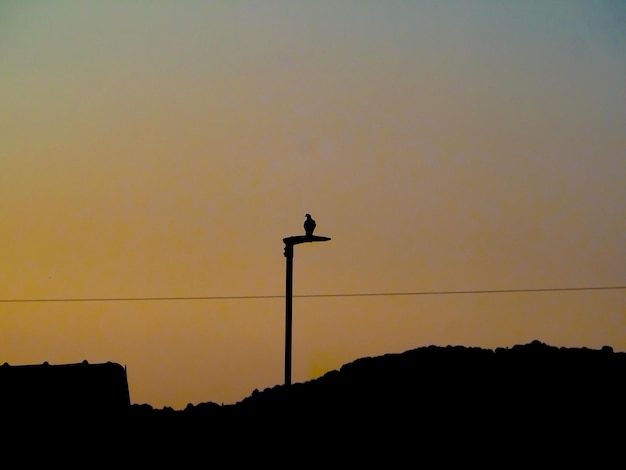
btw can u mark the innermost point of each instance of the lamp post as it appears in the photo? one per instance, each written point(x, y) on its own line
point(289, 244)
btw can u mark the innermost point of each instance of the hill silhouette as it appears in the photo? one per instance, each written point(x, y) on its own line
point(533, 403)
point(455, 404)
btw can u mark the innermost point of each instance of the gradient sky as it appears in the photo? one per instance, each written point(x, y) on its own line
point(160, 149)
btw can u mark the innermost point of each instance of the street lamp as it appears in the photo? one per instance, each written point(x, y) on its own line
point(289, 244)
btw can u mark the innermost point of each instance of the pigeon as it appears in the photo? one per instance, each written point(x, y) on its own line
point(309, 225)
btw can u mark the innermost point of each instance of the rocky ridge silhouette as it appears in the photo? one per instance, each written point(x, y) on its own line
point(528, 403)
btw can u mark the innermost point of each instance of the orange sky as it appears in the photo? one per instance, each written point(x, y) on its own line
point(160, 149)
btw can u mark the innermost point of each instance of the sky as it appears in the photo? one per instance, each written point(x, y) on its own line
point(161, 149)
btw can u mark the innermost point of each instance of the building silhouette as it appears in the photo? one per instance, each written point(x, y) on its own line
point(80, 390)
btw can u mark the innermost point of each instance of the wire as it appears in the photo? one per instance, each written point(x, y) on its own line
point(371, 294)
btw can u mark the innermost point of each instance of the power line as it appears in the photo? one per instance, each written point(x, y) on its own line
point(455, 292)
point(370, 294)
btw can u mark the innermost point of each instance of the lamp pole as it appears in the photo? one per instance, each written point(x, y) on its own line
point(288, 311)
point(289, 244)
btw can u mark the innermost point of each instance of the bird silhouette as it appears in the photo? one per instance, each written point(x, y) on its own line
point(309, 225)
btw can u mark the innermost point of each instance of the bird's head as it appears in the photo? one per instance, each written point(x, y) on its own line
point(308, 216)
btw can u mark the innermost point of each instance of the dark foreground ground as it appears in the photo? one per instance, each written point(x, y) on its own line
point(430, 407)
